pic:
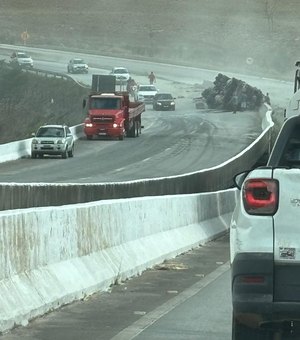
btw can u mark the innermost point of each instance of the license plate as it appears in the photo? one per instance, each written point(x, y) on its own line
point(102, 133)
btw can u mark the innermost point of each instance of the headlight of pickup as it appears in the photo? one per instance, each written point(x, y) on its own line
point(60, 141)
point(35, 141)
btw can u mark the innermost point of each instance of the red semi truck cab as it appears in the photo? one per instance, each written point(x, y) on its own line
point(112, 115)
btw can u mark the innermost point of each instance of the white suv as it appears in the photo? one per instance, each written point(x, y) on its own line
point(121, 73)
point(146, 93)
point(52, 140)
point(21, 59)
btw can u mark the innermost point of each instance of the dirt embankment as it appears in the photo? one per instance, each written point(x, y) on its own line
point(28, 101)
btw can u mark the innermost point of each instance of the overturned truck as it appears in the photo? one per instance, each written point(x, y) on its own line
point(232, 94)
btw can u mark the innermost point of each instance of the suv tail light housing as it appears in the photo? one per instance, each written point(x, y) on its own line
point(260, 196)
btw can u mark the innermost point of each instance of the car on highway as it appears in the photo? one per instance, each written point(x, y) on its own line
point(52, 140)
point(146, 93)
point(77, 65)
point(21, 59)
point(163, 101)
point(121, 73)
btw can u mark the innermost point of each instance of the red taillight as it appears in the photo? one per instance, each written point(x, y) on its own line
point(252, 279)
point(260, 196)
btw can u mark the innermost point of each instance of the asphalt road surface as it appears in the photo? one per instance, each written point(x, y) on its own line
point(171, 143)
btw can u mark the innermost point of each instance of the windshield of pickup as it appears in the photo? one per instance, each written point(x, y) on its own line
point(78, 61)
point(105, 103)
point(50, 132)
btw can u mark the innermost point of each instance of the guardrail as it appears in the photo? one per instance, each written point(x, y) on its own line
point(48, 73)
point(44, 73)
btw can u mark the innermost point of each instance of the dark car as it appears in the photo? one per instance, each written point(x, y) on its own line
point(163, 101)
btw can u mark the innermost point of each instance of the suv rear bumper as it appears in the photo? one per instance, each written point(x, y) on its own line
point(260, 293)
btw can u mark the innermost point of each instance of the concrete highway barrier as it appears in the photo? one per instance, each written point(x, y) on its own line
point(52, 256)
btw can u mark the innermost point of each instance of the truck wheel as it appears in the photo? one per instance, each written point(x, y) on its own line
point(243, 332)
point(89, 137)
point(33, 155)
point(121, 137)
point(137, 125)
point(131, 132)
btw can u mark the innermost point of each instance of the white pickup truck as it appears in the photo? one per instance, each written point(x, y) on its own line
point(265, 244)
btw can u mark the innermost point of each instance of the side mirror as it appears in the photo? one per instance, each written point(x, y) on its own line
point(240, 178)
point(33, 134)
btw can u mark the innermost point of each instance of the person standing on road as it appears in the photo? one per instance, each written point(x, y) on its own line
point(267, 99)
point(152, 78)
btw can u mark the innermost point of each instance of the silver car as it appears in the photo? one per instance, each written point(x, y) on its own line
point(52, 140)
point(77, 65)
point(21, 59)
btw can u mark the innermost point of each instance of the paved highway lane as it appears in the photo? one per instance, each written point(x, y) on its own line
point(172, 143)
point(280, 90)
point(186, 298)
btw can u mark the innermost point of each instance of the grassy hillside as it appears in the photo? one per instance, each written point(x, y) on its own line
point(28, 101)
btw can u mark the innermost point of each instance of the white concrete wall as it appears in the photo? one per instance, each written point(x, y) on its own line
point(55, 255)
